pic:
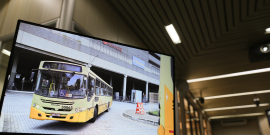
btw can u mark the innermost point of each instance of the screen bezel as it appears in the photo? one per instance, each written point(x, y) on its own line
point(11, 58)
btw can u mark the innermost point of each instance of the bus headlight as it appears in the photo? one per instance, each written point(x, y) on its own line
point(76, 110)
point(34, 105)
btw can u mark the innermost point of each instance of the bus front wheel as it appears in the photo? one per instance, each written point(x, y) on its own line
point(95, 115)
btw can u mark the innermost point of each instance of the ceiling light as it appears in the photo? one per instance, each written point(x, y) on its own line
point(267, 30)
point(238, 115)
point(6, 52)
point(173, 34)
point(234, 107)
point(265, 48)
point(230, 75)
point(237, 94)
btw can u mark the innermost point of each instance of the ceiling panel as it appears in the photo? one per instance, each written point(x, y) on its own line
point(215, 40)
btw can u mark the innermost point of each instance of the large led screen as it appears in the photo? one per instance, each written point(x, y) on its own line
point(60, 82)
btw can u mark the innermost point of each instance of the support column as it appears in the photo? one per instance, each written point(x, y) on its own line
point(1, 50)
point(263, 124)
point(67, 15)
point(146, 91)
point(0, 46)
point(176, 110)
point(111, 81)
point(183, 88)
point(201, 123)
point(183, 113)
point(124, 87)
point(13, 69)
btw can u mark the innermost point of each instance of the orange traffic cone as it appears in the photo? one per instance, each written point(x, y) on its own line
point(139, 108)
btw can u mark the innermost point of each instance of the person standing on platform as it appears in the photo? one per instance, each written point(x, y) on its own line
point(144, 98)
point(23, 81)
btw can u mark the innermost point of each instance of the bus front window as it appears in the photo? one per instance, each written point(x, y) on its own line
point(61, 85)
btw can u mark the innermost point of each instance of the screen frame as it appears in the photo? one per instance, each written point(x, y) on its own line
point(12, 56)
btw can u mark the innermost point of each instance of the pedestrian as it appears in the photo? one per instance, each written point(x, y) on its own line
point(144, 98)
point(23, 81)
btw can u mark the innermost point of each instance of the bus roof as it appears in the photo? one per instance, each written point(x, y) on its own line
point(63, 62)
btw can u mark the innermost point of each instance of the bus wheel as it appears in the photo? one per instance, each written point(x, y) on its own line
point(95, 115)
point(108, 107)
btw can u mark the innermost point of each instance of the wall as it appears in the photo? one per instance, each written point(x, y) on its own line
point(37, 11)
point(100, 20)
point(264, 125)
point(85, 52)
point(97, 17)
point(251, 128)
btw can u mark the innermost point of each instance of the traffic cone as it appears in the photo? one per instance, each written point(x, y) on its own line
point(142, 109)
point(139, 108)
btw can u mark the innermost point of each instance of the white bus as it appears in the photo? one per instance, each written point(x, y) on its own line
point(69, 92)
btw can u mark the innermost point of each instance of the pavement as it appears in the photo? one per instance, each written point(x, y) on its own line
point(16, 110)
point(146, 118)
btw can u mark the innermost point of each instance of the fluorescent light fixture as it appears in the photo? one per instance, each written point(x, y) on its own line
point(267, 30)
point(173, 34)
point(237, 94)
point(230, 75)
point(234, 107)
point(238, 115)
point(6, 52)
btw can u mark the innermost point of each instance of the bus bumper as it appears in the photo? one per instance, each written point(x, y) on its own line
point(76, 117)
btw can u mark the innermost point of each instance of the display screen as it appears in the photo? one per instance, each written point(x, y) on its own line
point(60, 82)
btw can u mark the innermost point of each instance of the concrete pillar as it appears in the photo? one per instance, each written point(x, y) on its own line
point(124, 87)
point(1, 50)
point(201, 123)
point(183, 116)
point(183, 88)
point(177, 119)
point(111, 81)
point(13, 69)
point(264, 125)
point(146, 91)
point(67, 15)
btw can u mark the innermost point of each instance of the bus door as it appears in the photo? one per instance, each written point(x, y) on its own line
point(91, 88)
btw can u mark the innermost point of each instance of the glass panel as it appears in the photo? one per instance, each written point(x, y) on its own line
point(61, 85)
point(62, 66)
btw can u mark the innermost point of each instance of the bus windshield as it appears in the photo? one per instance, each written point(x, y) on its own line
point(61, 84)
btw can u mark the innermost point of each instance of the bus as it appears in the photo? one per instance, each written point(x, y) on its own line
point(68, 92)
point(166, 97)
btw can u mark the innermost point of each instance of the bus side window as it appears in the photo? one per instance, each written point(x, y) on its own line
point(109, 91)
point(102, 88)
point(97, 87)
point(105, 90)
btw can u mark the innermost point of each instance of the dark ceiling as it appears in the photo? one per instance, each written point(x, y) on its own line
point(216, 36)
